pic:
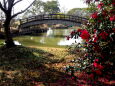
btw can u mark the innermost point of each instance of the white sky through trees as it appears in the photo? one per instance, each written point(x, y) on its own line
point(69, 4)
point(66, 4)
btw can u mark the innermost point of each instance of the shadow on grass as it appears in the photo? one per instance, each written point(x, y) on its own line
point(23, 66)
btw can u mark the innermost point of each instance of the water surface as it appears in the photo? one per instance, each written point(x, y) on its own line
point(52, 38)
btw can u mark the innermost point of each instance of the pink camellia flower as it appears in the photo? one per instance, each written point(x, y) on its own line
point(100, 5)
point(95, 64)
point(96, 60)
point(112, 18)
point(94, 15)
point(72, 78)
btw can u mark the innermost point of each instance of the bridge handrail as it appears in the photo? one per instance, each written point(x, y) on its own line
point(53, 16)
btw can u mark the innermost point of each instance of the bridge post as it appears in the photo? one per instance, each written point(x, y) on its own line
point(20, 21)
point(26, 19)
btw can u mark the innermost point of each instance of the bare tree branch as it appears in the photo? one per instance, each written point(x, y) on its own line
point(23, 10)
point(10, 4)
point(17, 2)
point(4, 1)
point(1, 7)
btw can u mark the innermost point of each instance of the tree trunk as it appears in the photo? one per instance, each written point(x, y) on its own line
point(8, 38)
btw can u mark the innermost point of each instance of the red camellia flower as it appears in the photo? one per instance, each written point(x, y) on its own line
point(96, 0)
point(113, 30)
point(73, 32)
point(91, 76)
point(79, 30)
point(104, 12)
point(100, 67)
point(97, 48)
point(103, 35)
point(95, 39)
point(98, 72)
point(94, 15)
point(95, 30)
point(85, 35)
point(100, 5)
point(112, 18)
point(68, 37)
point(97, 65)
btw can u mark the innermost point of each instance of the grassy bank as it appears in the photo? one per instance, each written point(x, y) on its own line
point(24, 66)
point(41, 66)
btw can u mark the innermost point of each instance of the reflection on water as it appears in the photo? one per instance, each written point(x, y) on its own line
point(42, 40)
point(31, 38)
point(49, 32)
point(60, 33)
point(15, 42)
point(53, 37)
point(70, 41)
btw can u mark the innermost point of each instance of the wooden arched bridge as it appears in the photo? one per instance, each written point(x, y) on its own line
point(52, 19)
point(69, 20)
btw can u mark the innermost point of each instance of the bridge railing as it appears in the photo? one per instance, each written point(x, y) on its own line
point(53, 17)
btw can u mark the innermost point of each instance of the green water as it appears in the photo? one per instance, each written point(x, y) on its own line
point(49, 39)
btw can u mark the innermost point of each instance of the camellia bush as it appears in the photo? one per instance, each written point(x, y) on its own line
point(98, 41)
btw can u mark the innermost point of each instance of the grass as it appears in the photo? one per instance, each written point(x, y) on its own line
point(22, 66)
point(40, 66)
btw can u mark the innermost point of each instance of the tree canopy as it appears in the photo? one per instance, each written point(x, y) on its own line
point(82, 12)
point(41, 7)
point(51, 7)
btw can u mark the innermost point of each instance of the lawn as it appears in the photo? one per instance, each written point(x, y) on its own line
point(41, 66)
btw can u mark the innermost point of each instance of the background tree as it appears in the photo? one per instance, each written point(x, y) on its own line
point(51, 7)
point(63, 10)
point(7, 7)
point(81, 12)
point(1, 18)
point(36, 9)
point(40, 7)
point(92, 7)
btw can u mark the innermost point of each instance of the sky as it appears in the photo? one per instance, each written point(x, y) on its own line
point(64, 4)
point(69, 4)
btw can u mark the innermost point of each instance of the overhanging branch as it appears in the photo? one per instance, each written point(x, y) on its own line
point(17, 2)
point(4, 1)
point(23, 10)
point(1, 7)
